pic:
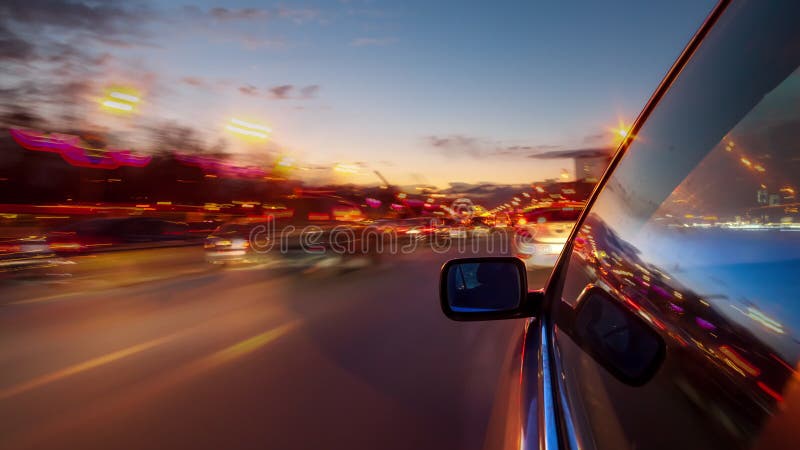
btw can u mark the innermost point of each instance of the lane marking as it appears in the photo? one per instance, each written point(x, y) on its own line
point(101, 289)
point(125, 400)
point(218, 358)
point(84, 366)
point(238, 349)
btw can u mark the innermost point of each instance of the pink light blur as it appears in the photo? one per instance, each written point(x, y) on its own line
point(219, 167)
point(71, 151)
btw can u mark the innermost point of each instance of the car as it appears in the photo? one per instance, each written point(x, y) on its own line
point(26, 253)
point(502, 220)
point(542, 231)
point(119, 233)
point(480, 227)
point(670, 318)
point(415, 232)
point(413, 229)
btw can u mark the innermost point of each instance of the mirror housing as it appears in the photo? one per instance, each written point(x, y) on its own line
point(488, 288)
point(618, 339)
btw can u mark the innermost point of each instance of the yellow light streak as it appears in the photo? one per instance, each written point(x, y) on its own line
point(125, 97)
point(117, 105)
point(245, 132)
point(250, 125)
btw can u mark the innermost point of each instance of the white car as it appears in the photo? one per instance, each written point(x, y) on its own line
point(542, 231)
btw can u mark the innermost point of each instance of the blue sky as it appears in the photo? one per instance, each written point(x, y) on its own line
point(424, 91)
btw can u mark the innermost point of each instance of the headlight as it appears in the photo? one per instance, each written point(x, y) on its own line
point(548, 249)
point(240, 244)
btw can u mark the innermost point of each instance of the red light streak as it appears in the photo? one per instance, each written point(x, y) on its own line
point(769, 391)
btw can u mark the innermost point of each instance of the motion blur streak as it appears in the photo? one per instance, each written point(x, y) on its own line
point(84, 366)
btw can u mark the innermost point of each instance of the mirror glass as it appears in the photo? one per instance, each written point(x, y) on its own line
point(484, 287)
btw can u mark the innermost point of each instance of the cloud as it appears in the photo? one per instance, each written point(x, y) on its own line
point(249, 90)
point(194, 81)
point(309, 91)
point(98, 18)
point(12, 47)
point(29, 92)
point(371, 41)
point(299, 15)
point(281, 92)
point(456, 144)
point(124, 43)
point(592, 138)
point(522, 149)
point(575, 152)
point(221, 14)
point(238, 14)
point(64, 31)
point(254, 43)
point(460, 145)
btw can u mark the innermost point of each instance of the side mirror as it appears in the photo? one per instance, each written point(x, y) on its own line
point(487, 289)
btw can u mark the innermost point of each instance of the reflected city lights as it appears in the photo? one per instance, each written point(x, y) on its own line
point(769, 323)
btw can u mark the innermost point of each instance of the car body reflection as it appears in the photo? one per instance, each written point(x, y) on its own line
point(706, 331)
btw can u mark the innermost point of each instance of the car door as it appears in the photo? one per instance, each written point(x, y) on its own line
point(674, 309)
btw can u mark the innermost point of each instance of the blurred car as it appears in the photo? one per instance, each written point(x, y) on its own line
point(670, 319)
point(106, 234)
point(480, 226)
point(230, 242)
point(203, 228)
point(502, 220)
point(458, 228)
point(542, 231)
point(416, 230)
point(299, 232)
point(26, 253)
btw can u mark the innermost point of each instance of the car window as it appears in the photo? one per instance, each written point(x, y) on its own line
point(693, 242)
point(140, 227)
point(90, 226)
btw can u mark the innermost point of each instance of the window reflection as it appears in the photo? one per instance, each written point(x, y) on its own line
point(696, 233)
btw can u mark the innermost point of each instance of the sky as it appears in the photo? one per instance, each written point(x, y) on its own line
point(426, 92)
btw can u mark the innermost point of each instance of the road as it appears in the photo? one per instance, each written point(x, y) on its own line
point(156, 349)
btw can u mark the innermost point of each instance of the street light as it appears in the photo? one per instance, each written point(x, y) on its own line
point(120, 99)
point(249, 129)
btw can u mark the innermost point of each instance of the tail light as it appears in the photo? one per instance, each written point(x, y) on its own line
point(65, 246)
point(9, 248)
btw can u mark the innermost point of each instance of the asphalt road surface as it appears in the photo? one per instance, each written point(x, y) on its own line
point(157, 349)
